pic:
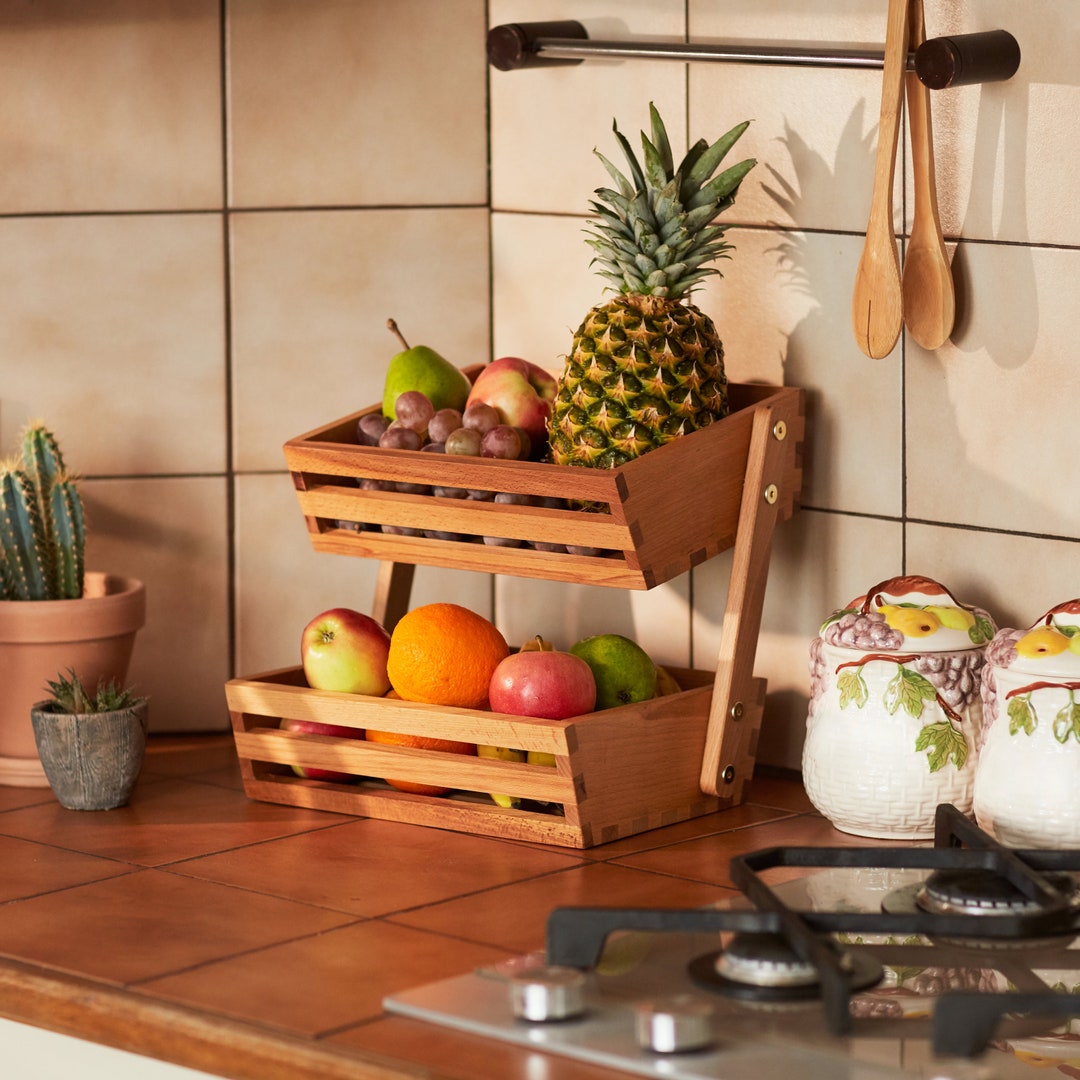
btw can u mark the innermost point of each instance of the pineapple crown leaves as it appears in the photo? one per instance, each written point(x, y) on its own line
point(655, 234)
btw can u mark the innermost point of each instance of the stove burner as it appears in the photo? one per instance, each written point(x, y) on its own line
point(986, 897)
point(764, 960)
point(976, 891)
point(765, 968)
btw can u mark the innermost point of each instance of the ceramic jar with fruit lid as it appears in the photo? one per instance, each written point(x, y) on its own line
point(895, 709)
point(1027, 783)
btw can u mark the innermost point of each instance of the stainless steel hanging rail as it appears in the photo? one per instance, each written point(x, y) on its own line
point(960, 59)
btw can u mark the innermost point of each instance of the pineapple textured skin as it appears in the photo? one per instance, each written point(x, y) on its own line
point(648, 366)
point(642, 371)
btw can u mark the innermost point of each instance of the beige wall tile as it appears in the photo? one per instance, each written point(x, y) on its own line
point(988, 405)
point(311, 295)
point(114, 332)
point(658, 620)
point(813, 134)
point(546, 122)
point(110, 106)
point(334, 102)
point(282, 582)
point(1006, 152)
point(172, 534)
point(783, 311)
point(848, 22)
point(542, 285)
point(1015, 578)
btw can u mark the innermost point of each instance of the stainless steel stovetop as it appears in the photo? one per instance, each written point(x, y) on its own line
point(879, 995)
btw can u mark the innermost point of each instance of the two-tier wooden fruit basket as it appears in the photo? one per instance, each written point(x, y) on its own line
point(617, 772)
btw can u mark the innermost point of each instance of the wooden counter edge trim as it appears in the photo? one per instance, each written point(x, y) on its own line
point(127, 1020)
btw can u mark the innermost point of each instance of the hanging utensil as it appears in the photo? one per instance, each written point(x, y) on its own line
point(877, 304)
point(927, 282)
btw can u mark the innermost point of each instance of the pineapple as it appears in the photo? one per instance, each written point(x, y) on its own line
point(648, 366)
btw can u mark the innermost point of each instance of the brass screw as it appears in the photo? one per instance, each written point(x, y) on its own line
point(728, 775)
point(779, 431)
point(737, 710)
point(772, 493)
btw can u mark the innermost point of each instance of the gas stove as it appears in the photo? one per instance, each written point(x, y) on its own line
point(957, 961)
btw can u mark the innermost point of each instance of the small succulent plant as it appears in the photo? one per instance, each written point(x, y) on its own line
point(70, 696)
point(42, 533)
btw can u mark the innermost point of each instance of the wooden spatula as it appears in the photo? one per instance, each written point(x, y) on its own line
point(877, 311)
point(929, 295)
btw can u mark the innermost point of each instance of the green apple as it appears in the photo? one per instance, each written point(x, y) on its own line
point(623, 670)
point(421, 368)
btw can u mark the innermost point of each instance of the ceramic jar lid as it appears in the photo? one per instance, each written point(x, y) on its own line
point(1049, 647)
point(908, 614)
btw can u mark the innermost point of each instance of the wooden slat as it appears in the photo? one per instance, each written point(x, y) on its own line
point(465, 516)
point(361, 758)
point(728, 761)
point(420, 810)
point(481, 558)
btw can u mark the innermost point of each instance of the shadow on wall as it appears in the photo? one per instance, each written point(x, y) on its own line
point(1001, 130)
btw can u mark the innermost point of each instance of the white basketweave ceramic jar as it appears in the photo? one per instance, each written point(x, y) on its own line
point(1027, 784)
point(895, 711)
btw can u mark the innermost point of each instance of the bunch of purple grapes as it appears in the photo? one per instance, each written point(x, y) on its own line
point(478, 431)
point(867, 631)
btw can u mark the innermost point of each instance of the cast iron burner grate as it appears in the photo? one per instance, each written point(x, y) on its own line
point(963, 1022)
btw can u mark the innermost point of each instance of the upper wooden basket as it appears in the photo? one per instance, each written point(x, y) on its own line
point(658, 516)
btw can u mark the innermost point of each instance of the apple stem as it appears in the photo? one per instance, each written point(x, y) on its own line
point(540, 644)
point(393, 328)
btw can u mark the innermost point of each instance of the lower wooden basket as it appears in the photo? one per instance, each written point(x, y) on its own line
point(617, 772)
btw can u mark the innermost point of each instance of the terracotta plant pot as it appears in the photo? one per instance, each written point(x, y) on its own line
point(41, 639)
point(92, 760)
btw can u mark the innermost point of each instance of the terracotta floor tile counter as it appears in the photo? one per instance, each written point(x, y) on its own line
point(257, 941)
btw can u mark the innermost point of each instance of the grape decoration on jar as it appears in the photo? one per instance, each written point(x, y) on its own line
point(1027, 783)
point(895, 710)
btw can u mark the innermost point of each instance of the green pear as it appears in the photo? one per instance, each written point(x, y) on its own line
point(419, 367)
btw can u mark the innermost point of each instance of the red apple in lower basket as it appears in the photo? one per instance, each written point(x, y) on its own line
point(311, 727)
point(344, 650)
point(521, 392)
point(547, 684)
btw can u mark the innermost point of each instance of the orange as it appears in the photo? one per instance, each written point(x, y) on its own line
point(420, 742)
point(444, 654)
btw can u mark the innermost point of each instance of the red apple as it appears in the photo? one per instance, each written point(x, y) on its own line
point(344, 650)
point(311, 727)
point(521, 392)
point(547, 684)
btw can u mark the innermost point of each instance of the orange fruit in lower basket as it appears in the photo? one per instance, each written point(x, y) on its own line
point(444, 654)
point(420, 742)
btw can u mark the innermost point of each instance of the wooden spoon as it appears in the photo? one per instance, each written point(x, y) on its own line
point(877, 305)
point(929, 295)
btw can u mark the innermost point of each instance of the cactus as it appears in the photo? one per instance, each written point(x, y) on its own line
point(42, 533)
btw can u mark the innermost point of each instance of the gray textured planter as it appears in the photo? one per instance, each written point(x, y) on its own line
point(91, 761)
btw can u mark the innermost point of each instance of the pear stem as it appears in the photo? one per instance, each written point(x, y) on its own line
point(393, 328)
